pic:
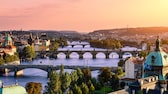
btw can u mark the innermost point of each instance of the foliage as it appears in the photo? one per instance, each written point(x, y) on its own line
point(107, 43)
point(119, 72)
point(80, 82)
point(143, 53)
point(62, 42)
point(66, 81)
point(77, 90)
point(114, 81)
point(54, 46)
point(105, 75)
point(74, 77)
point(80, 75)
point(103, 90)
point(33, 88)
point(87, 74)
point(10, 58)
point(92, 88)
point(84, 88)
point(28, 52)
point(129, 43)
point(1, 61)
point(121, 63)
point(54, 84)
point(140, 92)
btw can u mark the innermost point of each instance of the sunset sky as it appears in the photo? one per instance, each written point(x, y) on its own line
point(81, 15)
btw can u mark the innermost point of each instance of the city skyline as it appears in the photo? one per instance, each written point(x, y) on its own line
point(82, 15)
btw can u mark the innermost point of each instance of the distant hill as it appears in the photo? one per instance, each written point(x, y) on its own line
point(132, 31)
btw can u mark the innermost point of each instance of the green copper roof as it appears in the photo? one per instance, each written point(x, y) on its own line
point(14, 89)
point(7, 38)
point(157, 58)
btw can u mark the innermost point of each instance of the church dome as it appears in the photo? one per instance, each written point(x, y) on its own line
point(157, 58)
point(14, 89)
point(156, 63)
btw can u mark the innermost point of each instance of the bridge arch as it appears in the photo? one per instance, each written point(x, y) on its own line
point(127, 54)
point(113, 55)
point(78, 46)
point(87, 55)
point(100, 55)
point(61, 55)
point(27, 69)
point(74, 55)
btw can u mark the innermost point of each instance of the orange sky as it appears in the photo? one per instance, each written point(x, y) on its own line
point(81, 15)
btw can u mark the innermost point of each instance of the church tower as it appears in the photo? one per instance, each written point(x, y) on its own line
point(156, 63)
point(30, 40)
point(7, 41)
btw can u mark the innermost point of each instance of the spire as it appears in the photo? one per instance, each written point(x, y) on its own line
point(157, 44)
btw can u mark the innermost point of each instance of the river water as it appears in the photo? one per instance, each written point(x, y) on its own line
point(37, 75)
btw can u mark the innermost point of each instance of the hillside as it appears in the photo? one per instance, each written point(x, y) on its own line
point(132, 31)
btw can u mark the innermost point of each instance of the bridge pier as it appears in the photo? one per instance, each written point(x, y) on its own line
point(49, 71)
point(80, 55)
point(15, 72)
point(120, 55)
point(107, 55)
point(94, 55)
point(67, 55)
point(55, 56)
point(72, 46)
point(134, 54)
point(83, 46)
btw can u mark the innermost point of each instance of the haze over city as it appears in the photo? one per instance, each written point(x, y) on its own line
point(81, 15)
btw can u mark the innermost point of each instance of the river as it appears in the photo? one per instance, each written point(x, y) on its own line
point(37, 75)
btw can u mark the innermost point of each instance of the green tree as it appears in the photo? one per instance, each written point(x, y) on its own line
point(77, 90)
point(121, 63)
point(92, 88)
point(61, 71)
point(105, 75)
point(74, 77)
point(54, 46)
point(80, 75)
point(114, 81)
point(143, 53)
point(119, 72)
point(54, 84)
point(33, 88)
point(66, 81)
point(1, 61)
point(84, 88)
point(87, 74)
point(7, 58)
point(28, 52)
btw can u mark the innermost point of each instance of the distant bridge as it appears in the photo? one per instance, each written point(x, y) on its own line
point(82, 52)
point(83, 44)
point(47, 68)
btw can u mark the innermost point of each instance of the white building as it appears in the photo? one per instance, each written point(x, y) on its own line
point(133, 67)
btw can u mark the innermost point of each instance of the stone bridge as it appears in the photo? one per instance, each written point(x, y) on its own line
point(82, 52)
point(47, 68)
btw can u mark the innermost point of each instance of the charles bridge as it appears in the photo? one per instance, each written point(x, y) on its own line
point(82, 52)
